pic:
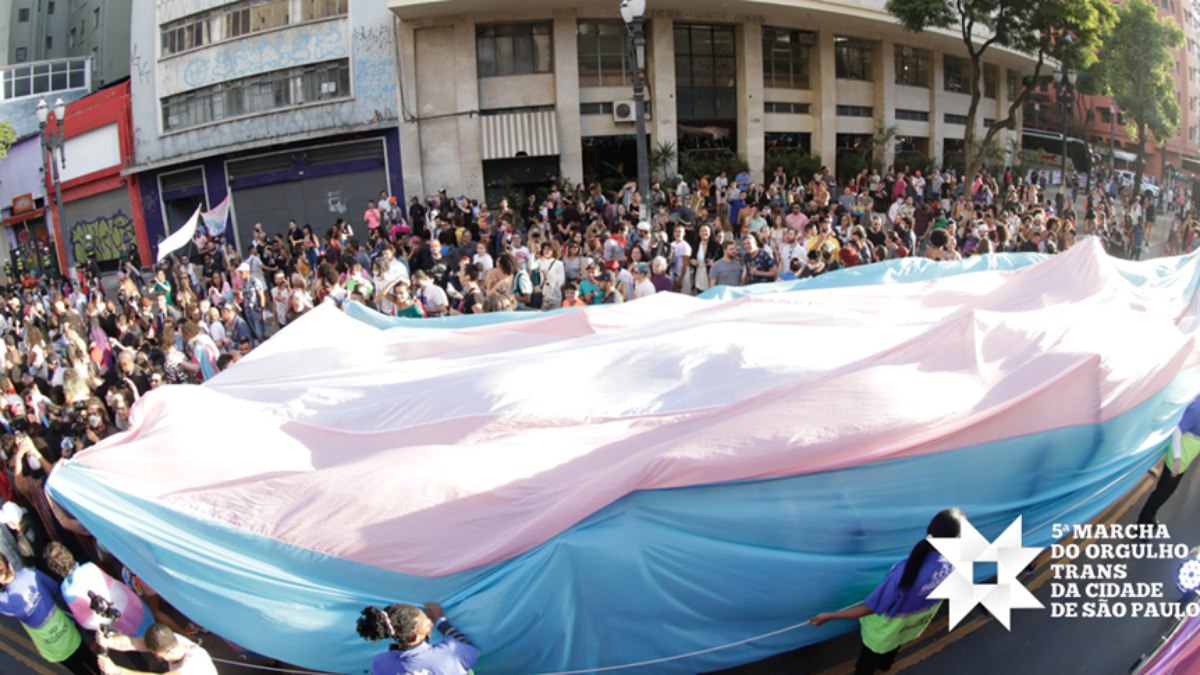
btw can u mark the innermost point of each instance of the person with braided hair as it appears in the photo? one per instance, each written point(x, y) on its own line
point(412, 652)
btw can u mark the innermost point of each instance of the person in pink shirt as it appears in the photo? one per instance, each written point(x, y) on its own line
point(372, 215)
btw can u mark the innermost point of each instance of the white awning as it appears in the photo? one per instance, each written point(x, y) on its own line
point(1191, 164)
point(520, 134)
point(1124, 156)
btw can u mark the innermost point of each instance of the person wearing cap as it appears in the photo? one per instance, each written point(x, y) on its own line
point(589, 288)
point(609, 294)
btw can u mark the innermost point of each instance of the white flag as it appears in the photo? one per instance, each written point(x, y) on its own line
point(179, 238)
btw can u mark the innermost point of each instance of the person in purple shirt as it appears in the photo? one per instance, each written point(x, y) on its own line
point(32, 598)
point(412, 652)
point(899, 609)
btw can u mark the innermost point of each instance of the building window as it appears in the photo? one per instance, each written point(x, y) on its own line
point(96, 18)
point(912, 66)
point(183, 38)
point(957, 75)
point(1105, 115)
point(602, 108)
point(22, 55)
point(42, 78)
point(71, 39)
point(705, 72)
point(988, 122)
point(1014, 84)
point(513, 49)
point(603, 57)
point(912, 115)
point(23, 15)
point(49, 42)
point(786, 58)
point(855, 111)
point(783, 108)
point(991, 83)
point(237, 19)
point(853, 58)
point(313, 10)
point(956, 119)
point(50, 7)
point(276, 90)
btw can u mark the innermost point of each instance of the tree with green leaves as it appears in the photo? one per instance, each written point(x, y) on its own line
point(1137, 66)
point(1065, 31)
point(8, 136)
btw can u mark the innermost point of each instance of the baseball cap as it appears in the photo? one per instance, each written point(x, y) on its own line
point(613, 265)
point(643, 226)
point(244, 267)
point(605, 276)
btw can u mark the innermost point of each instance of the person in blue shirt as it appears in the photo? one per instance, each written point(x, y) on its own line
point(412, 652)
point(899, 609)
point(33, 598)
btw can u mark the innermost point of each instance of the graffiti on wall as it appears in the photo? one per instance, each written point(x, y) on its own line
point(103, 236)
point(375, 71)
point(334, 199)
point(140, 66)
point(264, 53)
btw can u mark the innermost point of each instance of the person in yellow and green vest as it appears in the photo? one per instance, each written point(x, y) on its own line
point(35, 600)
point(1185, 445)
point(899, 609)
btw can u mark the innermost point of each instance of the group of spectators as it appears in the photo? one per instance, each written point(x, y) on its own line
point(77, 354)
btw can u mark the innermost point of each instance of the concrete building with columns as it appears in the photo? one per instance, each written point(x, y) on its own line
point(511, 94)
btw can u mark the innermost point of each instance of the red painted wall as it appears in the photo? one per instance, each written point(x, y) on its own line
point(108, 106)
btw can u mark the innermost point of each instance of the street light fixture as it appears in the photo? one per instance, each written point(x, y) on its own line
point(1112, 134)
point(632, 13)
point(53, 142)
point(1064, 89)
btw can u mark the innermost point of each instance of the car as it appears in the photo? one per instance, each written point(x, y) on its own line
point(1125, 177)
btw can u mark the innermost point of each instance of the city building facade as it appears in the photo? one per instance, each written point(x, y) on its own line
point(23, 195)
point(47, 30)
point(288, 105)
point(494, 96)
point(1097, 120)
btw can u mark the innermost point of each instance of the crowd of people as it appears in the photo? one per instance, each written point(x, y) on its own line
point(79, 353)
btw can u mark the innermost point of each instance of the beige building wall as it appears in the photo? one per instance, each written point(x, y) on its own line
point(442, 146)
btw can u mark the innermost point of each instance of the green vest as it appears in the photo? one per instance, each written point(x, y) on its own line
point(882, 634)
point(56, 639)
point(1189, 448)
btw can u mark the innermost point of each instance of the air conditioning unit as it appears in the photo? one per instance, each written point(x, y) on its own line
point(624, 111)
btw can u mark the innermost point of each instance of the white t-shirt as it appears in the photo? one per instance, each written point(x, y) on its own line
point(643, 289)
point(195, 662)
point(433, 296)
point(522, 255)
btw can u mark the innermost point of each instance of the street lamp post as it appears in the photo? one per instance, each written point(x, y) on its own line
point(53, 142)
point(1064, 88)
point(632, 12)
point(1112, 134)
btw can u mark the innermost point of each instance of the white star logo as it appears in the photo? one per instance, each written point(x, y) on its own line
point(1001, 597)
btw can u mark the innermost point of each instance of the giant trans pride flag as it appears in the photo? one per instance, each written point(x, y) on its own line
point(618, 484)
